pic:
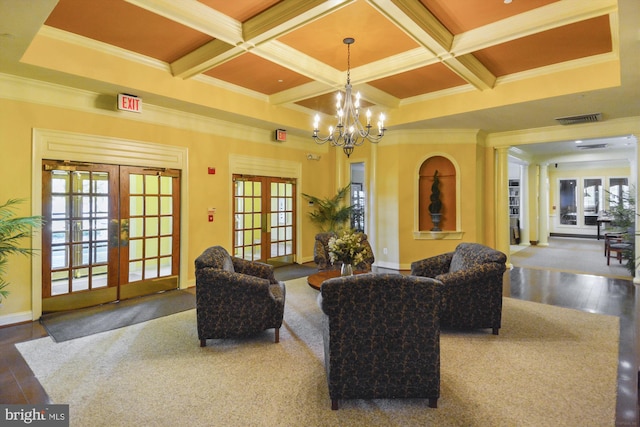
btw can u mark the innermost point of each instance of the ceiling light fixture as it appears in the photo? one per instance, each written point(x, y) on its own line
point(349, 132)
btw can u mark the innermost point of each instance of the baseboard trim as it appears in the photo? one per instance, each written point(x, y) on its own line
point(14, 318)
point(576, 236)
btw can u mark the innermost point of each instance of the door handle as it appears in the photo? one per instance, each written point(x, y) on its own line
point(118, 233)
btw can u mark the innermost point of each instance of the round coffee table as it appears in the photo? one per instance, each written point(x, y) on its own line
point(315, 280)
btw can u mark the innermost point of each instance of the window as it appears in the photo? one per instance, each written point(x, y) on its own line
point(568, 202)
point(618, 191)
point(592, 200)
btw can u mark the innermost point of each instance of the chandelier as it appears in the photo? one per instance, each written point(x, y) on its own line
point(349, 132)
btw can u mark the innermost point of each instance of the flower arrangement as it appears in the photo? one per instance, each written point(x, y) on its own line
point(347, 248)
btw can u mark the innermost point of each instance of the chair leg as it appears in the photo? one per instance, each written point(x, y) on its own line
point(433, 402)
point(495, 331)
point(277, 335)
point(203, 343)
point(334, 404)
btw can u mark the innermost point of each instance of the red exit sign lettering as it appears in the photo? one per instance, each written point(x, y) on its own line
point(129, 103)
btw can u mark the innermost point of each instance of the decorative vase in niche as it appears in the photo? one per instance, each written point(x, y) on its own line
point(435, 218)
point(346, 270)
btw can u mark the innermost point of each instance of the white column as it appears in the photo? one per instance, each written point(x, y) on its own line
point(525, 224)
point(543, 203)
point(502, 201)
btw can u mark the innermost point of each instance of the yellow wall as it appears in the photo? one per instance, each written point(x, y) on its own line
point(391, 169)
point(18, 119)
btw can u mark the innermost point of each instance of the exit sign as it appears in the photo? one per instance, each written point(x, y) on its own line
point(129, 103)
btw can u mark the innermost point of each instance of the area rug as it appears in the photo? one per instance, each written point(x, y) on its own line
point(549, 366)
point(293, 271)
point(73, 324)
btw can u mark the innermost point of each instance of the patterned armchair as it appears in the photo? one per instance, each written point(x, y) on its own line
point(381, 337)
point(322, 259)
point(472, 277)
point(236, 297)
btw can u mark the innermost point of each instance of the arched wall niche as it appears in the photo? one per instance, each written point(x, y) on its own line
point(447, 175)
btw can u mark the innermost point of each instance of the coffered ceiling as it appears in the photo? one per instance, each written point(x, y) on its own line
point(291, 52)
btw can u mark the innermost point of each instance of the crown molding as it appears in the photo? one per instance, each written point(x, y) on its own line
point(48, 94)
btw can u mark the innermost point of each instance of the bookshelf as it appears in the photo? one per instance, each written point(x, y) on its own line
point(514, 198)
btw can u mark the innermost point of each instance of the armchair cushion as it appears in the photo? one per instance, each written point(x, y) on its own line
point(468, 255)
point(381, 337)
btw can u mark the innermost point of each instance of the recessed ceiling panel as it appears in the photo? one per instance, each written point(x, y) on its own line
point(419, 81)
point(579, 40)
point(375, 37)
point(240, 10)
point(126, 26)
point(459, 16)
point(255, 73)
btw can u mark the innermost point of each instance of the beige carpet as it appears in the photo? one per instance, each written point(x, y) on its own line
point(549, 366)
point(572, 255)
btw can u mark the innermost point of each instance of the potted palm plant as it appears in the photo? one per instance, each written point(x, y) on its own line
point(12, 230)
point(330, 214)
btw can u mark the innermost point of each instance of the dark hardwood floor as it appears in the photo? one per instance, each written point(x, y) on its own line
point(583, 292)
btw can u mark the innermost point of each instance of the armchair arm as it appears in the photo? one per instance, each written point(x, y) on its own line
point(254, 268)
point(433, 266)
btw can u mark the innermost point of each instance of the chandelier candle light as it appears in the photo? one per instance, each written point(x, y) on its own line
point(349, 132)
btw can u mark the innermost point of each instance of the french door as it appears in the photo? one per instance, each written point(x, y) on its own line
point(111, 233)
point(264, 219)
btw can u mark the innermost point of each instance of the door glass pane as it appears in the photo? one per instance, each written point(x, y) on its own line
point(166, 225)
point(568, 201)
point(151, 248)
point(136, 206)
point(135, 228)
point(165, 266)
point(100, 182)
point(135, 271)
point(100, 276)
point(166, 205)
point(151, 226)
point(60, 181)
point(166, 185)
point(151, 205)
point(165, 245)
point(135, 249)
point(136, 185)
point(151, 268)
point(151, 184)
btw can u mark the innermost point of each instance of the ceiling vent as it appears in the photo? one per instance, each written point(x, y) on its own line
point(583, 118)
point(591, 147)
